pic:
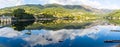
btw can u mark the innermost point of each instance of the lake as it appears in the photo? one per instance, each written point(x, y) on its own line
point(60, 33)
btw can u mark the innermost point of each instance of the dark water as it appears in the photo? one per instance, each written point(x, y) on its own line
point(59, 33)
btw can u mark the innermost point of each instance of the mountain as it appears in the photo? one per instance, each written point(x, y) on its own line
point(79, 7)
point(36, 8)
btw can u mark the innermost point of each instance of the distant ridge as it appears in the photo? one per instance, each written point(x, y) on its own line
point(37, 7)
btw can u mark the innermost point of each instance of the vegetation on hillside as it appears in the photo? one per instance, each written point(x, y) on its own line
point(114, 15)
point(20, 14)
point(52, 11)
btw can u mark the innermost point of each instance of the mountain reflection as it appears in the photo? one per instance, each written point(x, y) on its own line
point(50, 24)
point(96, 34)
point(59, 24)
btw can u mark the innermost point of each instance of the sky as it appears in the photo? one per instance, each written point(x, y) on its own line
point(100, 4)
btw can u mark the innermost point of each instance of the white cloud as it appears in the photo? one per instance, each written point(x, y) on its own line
point(94, 3)
point(73, 2)
point(8, 3)
point(112, 6)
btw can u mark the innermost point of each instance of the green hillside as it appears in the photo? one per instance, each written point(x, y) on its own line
point(114, 15)
point(53, 10)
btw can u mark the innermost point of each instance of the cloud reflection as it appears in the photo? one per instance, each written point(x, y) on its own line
point(51, 36)
point(9, 32)
point(46, 37)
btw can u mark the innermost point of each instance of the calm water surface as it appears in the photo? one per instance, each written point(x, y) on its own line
point(59, 33)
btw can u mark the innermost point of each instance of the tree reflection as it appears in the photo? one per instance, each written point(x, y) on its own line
point(45, 21)
point(50, 24)
point(20, 25)
point(60, 24)
point(115, 22)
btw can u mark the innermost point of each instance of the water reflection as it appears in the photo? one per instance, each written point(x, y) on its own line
point(60, 38)
point(44, 21)
point(96, 35)
point(20, 25)
point(49, 24)
point(60, 24)
point(9, 32)
point(58, 33)
point(45, 37)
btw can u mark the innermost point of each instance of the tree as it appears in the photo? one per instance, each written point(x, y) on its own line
point(20, 14)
